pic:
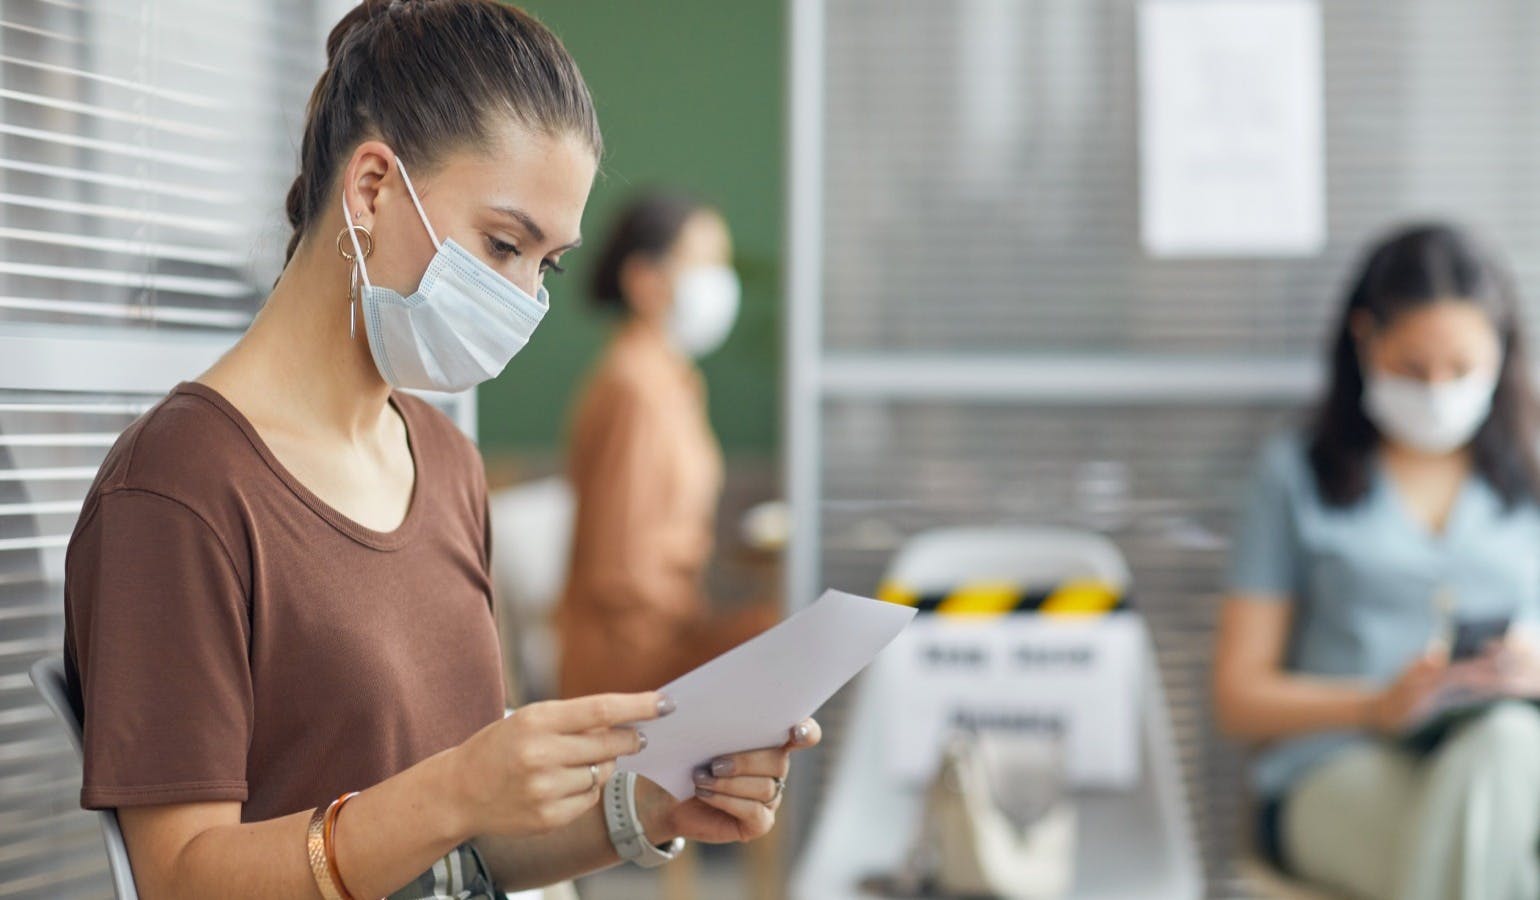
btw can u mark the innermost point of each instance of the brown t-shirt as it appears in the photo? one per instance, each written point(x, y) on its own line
point(230, 636)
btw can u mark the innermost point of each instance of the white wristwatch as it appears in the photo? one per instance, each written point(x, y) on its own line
point(625, 826)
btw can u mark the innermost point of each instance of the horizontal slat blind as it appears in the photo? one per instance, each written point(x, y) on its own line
point(976, 182)
point(145, 148)
point(1161, 481)
point(50, 447)
point(981, 173)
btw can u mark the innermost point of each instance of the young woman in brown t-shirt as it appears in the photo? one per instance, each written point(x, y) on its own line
point(277, 593)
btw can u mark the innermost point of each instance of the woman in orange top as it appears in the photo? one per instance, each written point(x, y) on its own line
point(644, 463)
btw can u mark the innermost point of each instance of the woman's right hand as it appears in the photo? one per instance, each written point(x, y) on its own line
point(1396, 706)
point(530, 772)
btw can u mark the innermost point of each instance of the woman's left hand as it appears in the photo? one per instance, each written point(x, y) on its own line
point(737, 796)
point(1519, 662)
point(1510, 667)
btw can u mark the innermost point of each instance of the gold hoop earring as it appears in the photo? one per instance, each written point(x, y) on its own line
point(367, 242)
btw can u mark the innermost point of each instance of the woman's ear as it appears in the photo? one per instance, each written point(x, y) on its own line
point(361, 179)
point(645, 287)
point(1361, 328)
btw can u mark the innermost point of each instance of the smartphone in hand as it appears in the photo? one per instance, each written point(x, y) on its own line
point(1473, 636)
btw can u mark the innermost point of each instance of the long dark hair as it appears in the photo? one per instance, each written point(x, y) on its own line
point(647, 226)
point(427, 77)
point(1412, 268)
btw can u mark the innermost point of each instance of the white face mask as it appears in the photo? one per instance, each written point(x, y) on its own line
point(459, 328)
point(705, 307)
point(1434, 418)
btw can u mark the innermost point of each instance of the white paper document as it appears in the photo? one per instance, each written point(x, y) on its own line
point(753, 695)
point(1231, 128)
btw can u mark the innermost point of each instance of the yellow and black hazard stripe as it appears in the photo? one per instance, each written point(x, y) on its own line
point(990, 598)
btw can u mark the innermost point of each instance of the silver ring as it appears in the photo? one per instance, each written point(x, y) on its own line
point(593, 772)
point(780, 788)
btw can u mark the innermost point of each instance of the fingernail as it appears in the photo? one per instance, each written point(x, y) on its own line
point(666, 706)
point(705, 792)
point(802, 732)
point(722, 768)
point(702, 778)
point(641, 737)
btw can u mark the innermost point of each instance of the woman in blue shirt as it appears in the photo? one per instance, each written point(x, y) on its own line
point(1408, 505)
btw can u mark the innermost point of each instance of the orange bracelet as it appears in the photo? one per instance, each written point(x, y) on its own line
point(328, 835)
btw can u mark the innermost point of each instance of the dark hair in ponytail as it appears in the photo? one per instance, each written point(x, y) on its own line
point(426, 77)
point(647, 226)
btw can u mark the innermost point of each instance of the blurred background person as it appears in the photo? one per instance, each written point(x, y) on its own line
point(1410, 501)
point(645, 466)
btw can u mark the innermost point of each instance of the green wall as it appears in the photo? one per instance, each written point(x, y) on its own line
point(689, 94)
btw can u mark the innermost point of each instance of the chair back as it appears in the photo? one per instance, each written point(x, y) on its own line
point(48, 675)
point(531, 548)
point(1134, 843)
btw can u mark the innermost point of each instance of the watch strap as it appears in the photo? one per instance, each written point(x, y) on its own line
point(625, 826)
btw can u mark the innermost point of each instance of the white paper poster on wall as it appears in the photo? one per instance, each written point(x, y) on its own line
point(1231, 128)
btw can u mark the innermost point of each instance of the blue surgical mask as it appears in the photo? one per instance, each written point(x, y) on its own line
point(459, 328)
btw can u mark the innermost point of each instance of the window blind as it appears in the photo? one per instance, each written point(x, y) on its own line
point(145, 149)
point(50, 446)
point(981, 174)
point(977, 337)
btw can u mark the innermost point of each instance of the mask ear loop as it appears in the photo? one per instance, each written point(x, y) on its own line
point(412, 192)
